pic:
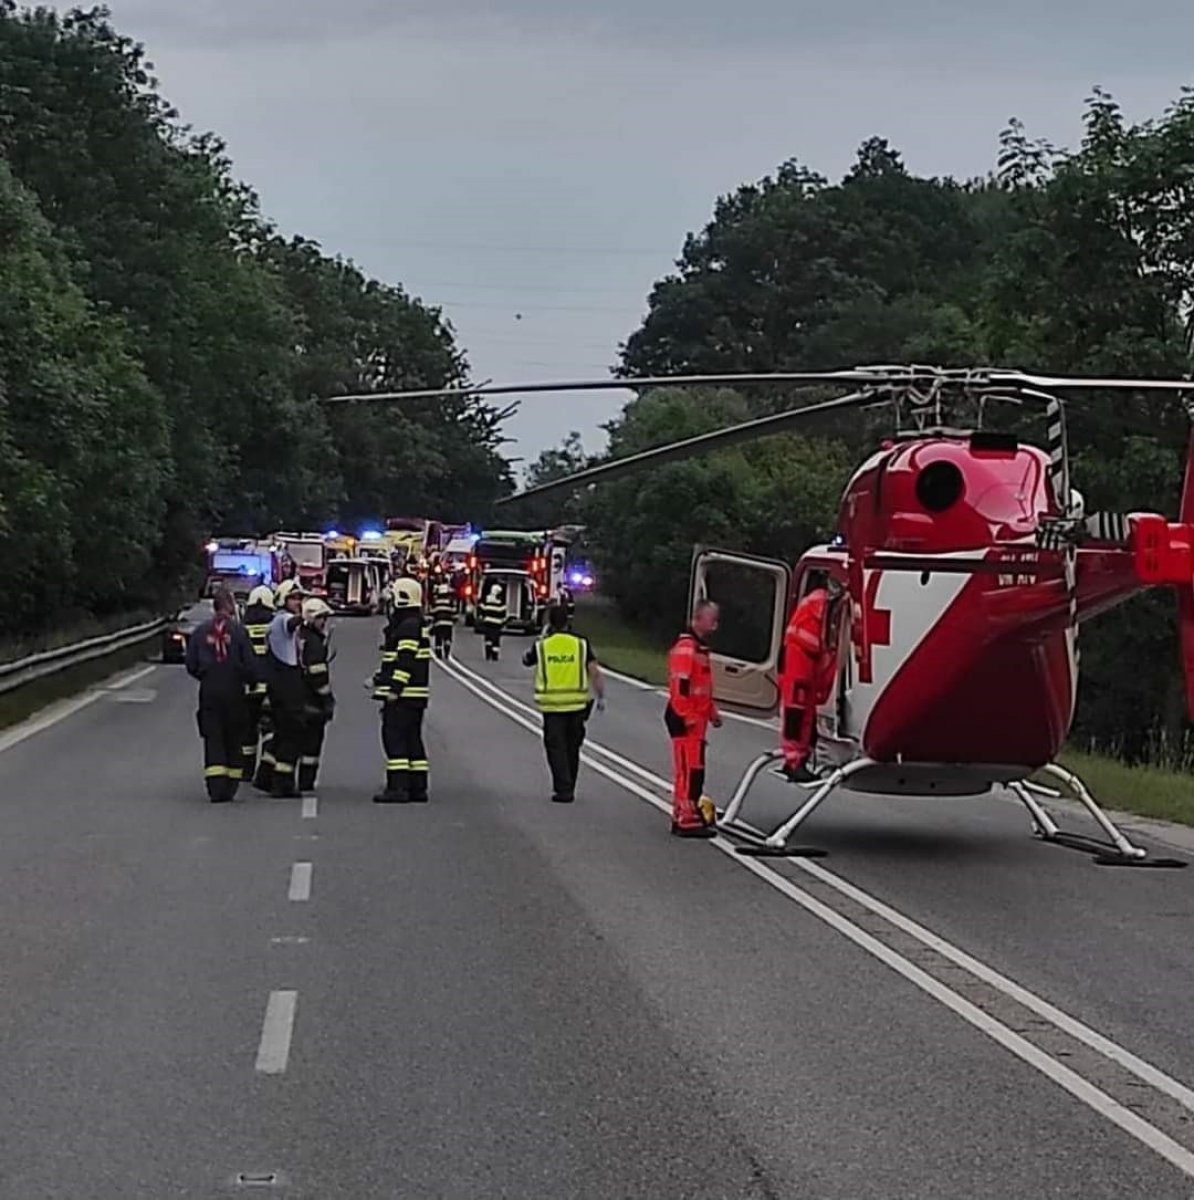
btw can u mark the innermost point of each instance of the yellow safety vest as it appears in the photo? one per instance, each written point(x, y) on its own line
point(561, 680)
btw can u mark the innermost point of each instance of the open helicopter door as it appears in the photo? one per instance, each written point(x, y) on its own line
point(753, 594)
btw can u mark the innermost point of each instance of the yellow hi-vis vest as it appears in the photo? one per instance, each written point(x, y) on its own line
point(561, 681)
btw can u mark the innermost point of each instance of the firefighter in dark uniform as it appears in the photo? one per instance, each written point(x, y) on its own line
point(259, 612)
point(443, 615)
point(320, 703)
point(402, 683)
point(287, 692)
point(220, 656)
point(567, 601)
point(492, 612)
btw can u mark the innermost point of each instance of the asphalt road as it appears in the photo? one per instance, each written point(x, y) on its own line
point(494, 996)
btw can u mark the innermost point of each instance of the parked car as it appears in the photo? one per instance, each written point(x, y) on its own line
point(182, 625)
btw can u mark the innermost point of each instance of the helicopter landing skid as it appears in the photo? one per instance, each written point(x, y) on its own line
point(775, 844)
point(1117, 851)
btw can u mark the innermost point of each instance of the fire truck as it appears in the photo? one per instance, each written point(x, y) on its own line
point(240, 564)
point(306, 559)
point(530, 563)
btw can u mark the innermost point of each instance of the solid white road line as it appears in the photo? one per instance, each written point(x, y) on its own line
point(273, 1052)
point(629, 680)
point(1070, 1080)
point(300, 881)
point(50, 716)
point(310, 807)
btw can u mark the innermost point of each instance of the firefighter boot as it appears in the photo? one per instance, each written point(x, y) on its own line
point(395, 791)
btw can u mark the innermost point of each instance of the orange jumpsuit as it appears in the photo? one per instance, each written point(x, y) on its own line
point(802, 677)
point(690, 708)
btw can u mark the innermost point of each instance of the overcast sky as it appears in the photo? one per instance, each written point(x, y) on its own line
point(535, 170)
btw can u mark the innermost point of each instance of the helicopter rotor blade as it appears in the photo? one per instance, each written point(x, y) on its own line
point(855, 378)
point(718, 439)
point(1078, 382)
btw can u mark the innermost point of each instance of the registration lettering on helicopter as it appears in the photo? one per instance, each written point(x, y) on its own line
point(1027, 558)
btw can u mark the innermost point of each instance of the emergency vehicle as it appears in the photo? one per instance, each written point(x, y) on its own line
point(309, 556)
point(240, 564)
point(339, 545)
point(354, 585)
point(531, 563)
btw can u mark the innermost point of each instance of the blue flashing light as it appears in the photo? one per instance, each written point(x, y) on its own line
point(371, 535)
point(334, 533)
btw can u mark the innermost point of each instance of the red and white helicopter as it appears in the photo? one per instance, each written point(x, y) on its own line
point(967, 563)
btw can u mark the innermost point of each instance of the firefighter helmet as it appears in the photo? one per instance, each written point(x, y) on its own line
point(407, 593)
point(314, 608)
point(288, 588)
point(263, 595)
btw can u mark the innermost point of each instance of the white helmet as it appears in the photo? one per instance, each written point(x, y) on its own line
point(261, 595)
point(315, 608)
point(406, 593)
point(285, 588)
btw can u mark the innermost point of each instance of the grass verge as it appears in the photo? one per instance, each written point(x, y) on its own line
point(23, 702)
point(1145, 791)
point(617, 645)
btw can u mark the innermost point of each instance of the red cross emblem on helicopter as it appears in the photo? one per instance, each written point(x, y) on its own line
point(873, 629)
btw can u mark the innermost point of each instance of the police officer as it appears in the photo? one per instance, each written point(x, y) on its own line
point(443, 615)
point(259, 612)
point(220, 656)
point(690, 711)
point(492, 612)
point(566, 669)
point(287, 692)
point(402, 683)
point(320, 703)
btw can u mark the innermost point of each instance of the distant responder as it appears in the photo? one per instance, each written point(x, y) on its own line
point(804, 664)
point(402, 683)
point(492, 613)
point(566, 669)
point(259, 612)
point(443, 615)
point(287, 692)
point(220, 656)
point(690, 711)
point(320, 703)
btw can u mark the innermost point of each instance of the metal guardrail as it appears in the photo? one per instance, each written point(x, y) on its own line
point(47, 662)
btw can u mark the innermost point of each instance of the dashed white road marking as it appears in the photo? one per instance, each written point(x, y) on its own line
point(67, 708)
point(273, 1052)
point(310, 807)
point(1053, 1068)
point(300, 881)
point(289, 940)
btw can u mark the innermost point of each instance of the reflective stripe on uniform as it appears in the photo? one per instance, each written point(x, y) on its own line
point(397, 764)
point(415, 693)
point(215, 772)
point(419, 765)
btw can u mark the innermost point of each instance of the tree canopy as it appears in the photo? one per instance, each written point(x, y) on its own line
point(164, 347)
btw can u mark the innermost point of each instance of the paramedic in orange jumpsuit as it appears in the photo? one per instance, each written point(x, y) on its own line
point(690, 711)
point(803, 672)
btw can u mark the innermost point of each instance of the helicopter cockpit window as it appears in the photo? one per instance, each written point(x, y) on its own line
point(747, 598)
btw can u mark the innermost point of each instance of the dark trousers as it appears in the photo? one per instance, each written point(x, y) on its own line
point(406, 756)
point(286, 701)
point(222, 725)
point(493, 642)
point(563, 736)
point(441, 637)
point(254, 708)
point(311, 752)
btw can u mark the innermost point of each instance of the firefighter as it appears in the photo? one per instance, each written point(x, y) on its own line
point(566, 669)
point(690, 711)
point(491, 616)
point(402, 683)
point(443, 615)
point(259, 612)
point(287, 693)
point(320, 703)
point(220, 656)
point(565, 598)
point(804, 664)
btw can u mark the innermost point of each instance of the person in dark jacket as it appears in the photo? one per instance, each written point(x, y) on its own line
point(287, 693)
point(492, 614)
point(220, 656)
point(402, 683)
point(321, 704)
point(259, 612)
point(443, 615)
